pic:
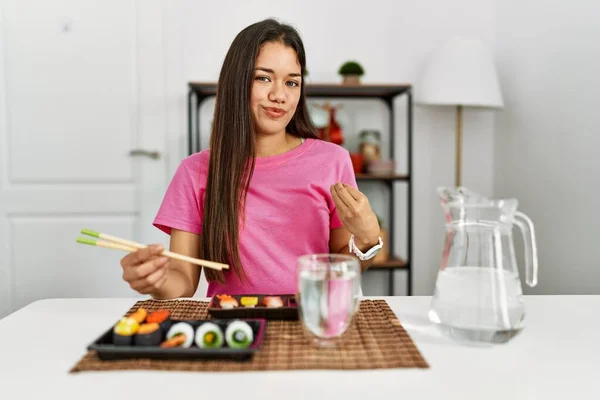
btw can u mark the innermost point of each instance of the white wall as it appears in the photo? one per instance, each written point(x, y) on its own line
point(391, 39)
point(79, 88)
point(541, 148)
point(547, 138)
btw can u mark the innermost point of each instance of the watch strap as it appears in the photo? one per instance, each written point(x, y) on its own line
point(372, 252)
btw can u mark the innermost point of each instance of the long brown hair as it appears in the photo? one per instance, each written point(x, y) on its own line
point(232, 149)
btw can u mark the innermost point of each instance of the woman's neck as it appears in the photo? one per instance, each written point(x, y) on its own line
point(272, 145)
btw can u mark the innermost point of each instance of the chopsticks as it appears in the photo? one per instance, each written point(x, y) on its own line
point(116, 243)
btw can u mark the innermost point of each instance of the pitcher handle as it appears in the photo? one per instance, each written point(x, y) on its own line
point(531, 259)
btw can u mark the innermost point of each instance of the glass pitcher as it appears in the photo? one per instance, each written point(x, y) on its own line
point(478, 296)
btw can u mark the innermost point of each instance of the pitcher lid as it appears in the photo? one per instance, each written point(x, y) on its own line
point(465, 197)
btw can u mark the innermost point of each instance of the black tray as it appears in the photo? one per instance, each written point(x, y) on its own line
point(289, 311)
point(108, 351)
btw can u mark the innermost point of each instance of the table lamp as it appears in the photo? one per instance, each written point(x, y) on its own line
point(460, 73)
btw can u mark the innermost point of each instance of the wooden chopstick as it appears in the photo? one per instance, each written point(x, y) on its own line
point(113, 242)
point(105, 244)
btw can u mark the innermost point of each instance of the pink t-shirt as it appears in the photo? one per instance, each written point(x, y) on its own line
point(289, 212)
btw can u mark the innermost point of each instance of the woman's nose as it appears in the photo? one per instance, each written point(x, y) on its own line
point(277, 93)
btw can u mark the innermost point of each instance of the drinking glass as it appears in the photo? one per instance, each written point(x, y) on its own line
point(328, 292)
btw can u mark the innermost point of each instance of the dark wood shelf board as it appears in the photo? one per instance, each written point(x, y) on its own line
point(205, 89)
point(389, 264)
point(382, 177)
point(362, 90)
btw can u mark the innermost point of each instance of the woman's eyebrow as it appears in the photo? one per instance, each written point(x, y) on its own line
point(270, 71)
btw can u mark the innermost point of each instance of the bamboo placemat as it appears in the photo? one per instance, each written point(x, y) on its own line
point(376, 340)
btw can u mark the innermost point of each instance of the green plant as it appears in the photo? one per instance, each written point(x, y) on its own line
point(351, 68)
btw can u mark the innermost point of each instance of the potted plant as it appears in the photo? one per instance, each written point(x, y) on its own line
point(351, 71)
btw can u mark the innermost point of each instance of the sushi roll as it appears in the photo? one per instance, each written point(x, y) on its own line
point(124, 331)
point(209, 335)
point(180, 334)
point(239, 335)
point(161, 317)
point(273, 301)
point(226, 301)
point(139, 315)
point(149, 334)
point(249, 302)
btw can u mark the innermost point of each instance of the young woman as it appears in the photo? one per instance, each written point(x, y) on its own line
point(265, 192)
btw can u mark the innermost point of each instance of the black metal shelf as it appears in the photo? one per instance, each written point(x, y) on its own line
point(388, 93)
point(206, 89)
point(385, 178)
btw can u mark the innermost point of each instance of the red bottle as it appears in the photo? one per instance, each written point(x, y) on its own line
point(336, 135)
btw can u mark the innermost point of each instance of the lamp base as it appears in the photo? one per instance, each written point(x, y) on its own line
point(458, 145)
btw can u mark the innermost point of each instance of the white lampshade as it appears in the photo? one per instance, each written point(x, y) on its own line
point(461, 72)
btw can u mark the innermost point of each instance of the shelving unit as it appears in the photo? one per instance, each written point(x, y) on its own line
point(201, 91)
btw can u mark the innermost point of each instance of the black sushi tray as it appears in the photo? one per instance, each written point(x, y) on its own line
point(107, 350)
point(287, 311)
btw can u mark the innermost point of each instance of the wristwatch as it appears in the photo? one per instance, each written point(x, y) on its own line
point(372, 252)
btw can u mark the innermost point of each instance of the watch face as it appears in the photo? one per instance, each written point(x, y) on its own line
point(372, 252)
point(375, 251)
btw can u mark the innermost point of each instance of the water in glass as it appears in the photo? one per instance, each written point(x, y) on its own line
point(328, 294)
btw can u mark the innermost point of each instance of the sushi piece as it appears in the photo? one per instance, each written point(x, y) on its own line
point(149, 334)
point(175, 341)
point(158, 316)
point(249, 301)
point(124, 331)
point(226, 301)
point(180, 334)
point(239, 335)
point(139, 315)
point(161, 317)
point(273, 301)
point(209, 335)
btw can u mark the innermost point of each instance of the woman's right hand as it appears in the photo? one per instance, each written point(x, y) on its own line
point(145, 269)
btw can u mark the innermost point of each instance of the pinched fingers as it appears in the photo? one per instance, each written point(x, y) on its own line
point(135, 272)
point(140, 256)
point(355, 193)
point(339, 203)
point(151, 282)
point(350, 201)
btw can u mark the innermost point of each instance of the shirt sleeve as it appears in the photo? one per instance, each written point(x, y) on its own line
point(345, 175)
point(182, 204)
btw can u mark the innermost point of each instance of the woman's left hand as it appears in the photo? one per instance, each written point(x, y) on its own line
point(356, 214)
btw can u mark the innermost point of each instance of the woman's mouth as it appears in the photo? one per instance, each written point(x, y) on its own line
point(274, 112)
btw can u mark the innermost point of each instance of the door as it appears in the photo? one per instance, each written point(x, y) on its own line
point(81, 86)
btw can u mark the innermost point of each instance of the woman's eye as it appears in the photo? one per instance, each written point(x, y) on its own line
point(293, 84)
point(262, 78)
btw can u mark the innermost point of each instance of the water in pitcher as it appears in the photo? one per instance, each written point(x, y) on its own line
point(328, 303)
point(476, 304)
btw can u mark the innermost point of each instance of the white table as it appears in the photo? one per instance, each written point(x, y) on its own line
point(556, 357)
